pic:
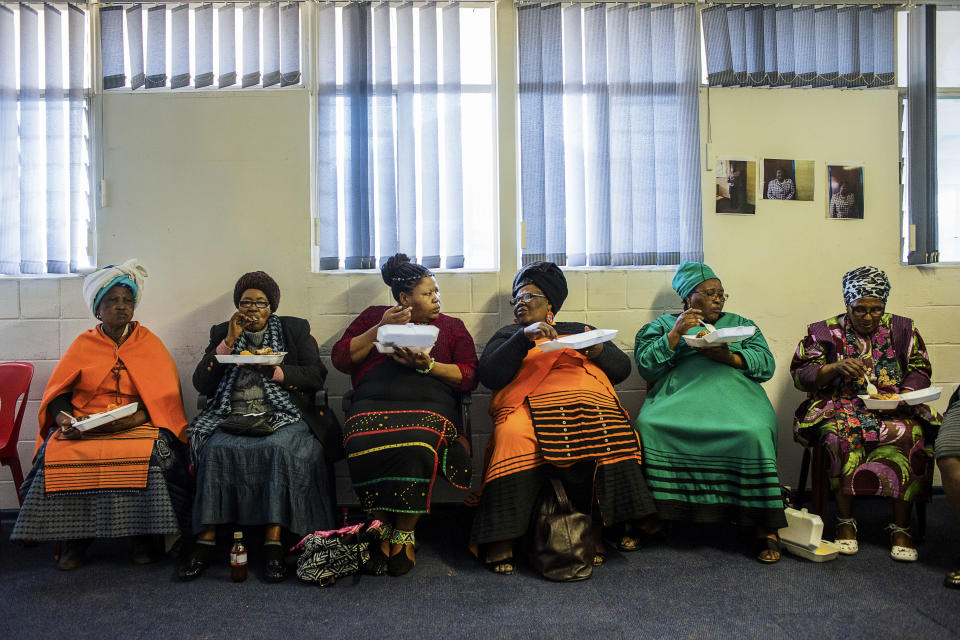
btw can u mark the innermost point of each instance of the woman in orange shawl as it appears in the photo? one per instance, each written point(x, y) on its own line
point(124, 478)
point(555, 414)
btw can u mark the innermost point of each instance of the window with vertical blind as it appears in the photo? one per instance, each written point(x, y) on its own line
point(756, 45)
point(609, 134)
point(45, 206)
point(929, 77)
point(200, 45)
point(405, 135)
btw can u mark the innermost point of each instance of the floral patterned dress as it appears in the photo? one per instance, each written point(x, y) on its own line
point(882, 453)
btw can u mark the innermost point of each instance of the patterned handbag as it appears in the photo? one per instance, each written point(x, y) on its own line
point(328, 555)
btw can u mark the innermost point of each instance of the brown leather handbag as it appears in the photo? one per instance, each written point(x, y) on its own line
point(563, 542)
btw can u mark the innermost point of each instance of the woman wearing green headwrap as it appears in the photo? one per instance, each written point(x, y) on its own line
point(708, 429)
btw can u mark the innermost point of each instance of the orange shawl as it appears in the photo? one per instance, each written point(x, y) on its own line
point(116, 460)
point(536, 366)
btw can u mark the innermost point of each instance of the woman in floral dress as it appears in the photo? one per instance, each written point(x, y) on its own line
point(869, 452)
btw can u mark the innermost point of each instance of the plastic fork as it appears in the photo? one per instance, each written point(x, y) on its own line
point(709, 327)
point(871, 390)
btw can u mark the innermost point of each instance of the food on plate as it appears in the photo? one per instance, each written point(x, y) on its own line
point(245, 353)
point(702, 333)
point(263, 351)
point(884, 396)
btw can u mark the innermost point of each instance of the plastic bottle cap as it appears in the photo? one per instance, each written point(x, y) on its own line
point(238, 535)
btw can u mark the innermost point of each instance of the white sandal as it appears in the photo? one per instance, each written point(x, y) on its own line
point(848, 546)
point(897, 552)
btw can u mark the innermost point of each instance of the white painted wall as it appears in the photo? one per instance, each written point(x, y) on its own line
point(204, 187)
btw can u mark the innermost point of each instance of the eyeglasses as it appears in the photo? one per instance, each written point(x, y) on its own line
point(249, 304)
point(713, 293)
point(525, 298)
point(862, 311)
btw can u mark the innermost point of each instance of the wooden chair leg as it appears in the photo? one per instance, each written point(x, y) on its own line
point(800, 493)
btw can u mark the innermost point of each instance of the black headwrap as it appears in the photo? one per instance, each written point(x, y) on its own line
point(548, 277)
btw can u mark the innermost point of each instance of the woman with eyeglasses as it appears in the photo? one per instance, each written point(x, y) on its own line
point(555, 414)
point(401, 426)
point(869, 452)
point(256, 448)
point(709, 431)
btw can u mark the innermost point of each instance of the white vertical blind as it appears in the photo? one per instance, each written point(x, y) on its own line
point(156, 47)
point(609, 173)
point(44, 183)
point(398, 181)
point(251, 45)
point(824, 46)
point(263, 37)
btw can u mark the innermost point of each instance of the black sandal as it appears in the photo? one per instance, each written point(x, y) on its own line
point(377, 564)
point(952, 579)
point(508, 561)
point(770, 542)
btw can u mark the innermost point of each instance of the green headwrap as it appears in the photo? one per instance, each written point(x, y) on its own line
point(689, 275)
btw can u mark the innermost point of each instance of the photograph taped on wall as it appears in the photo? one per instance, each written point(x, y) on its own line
point(845, 191)
point(788, 180)
point(737, 186)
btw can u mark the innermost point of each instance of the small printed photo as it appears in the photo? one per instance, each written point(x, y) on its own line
point(845, 198)
point(736, 186)
point(788, 180)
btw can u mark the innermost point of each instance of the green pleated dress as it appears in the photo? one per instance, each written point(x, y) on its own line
point(709, 431)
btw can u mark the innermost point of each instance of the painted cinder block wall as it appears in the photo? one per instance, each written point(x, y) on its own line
point(204, 187)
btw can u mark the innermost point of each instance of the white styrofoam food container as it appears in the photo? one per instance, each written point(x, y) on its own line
point(268, 359)
point(803, 536)
point(579, 340)
point(922, 395)
point(414, 336)
point(876, 403)
point(106, 417)
point(720, 336)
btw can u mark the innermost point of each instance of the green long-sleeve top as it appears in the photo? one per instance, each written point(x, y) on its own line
point(655, 359)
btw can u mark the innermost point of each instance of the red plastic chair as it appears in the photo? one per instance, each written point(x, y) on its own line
point(15, 380)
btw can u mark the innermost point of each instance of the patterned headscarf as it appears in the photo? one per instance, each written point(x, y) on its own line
point(130, 274)
point(865, 282)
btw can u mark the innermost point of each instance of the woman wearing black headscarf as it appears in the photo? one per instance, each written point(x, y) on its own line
point(400, 431)
point(555, 414)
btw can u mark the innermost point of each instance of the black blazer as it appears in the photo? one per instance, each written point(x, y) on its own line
point(303, 375)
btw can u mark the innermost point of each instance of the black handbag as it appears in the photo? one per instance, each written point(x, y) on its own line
point(247, 424)
point(563, 541)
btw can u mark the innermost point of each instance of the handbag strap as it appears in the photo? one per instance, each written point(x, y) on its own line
point(562, 500)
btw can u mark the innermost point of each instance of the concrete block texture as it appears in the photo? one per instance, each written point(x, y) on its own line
point(40, 298)
point(70, 329)
point(606, 289)
point(937, 325)
point(328, 295)
point(576, 293)
point(9, 299)
point(41, 374)
point(485, 293)
point(455, 293)
point(366, 290)
point(28, 340)
point(72, 304)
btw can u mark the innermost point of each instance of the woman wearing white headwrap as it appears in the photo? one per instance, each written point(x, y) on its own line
point(124, 478)
point(869, 452)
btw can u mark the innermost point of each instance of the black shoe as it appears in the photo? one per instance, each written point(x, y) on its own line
point(145, 550)
point(197, 562)
point(377, 564)
point(71, 554)
point(400, 564)
point(275, 569)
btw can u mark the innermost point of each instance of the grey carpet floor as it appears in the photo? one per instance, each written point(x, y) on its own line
point(702, 584)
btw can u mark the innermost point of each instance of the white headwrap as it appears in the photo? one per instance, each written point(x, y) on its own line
point(130, 273)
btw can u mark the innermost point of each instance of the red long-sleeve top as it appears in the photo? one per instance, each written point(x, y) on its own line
point(454, 346)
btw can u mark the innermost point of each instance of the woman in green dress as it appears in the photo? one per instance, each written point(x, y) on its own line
point(708, 429)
